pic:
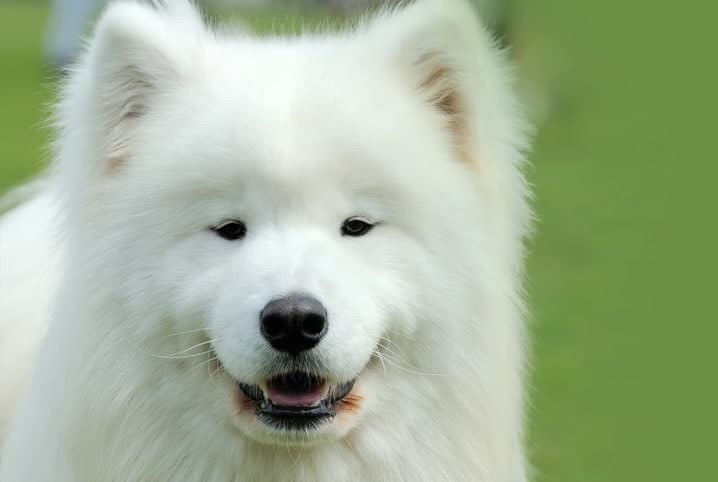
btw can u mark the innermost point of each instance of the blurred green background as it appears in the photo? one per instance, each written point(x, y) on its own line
point(622, 267)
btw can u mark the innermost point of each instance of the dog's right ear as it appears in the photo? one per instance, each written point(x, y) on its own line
point(138, 51)
point(441, 51)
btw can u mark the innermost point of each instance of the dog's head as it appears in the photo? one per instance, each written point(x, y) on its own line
point(303, 223)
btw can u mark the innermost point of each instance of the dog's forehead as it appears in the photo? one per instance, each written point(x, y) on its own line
point(289, 113)
point(287, 118)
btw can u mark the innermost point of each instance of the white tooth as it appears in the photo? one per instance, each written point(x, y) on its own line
point(263, 386)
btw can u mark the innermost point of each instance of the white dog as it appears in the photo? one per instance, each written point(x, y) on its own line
point(276, 259)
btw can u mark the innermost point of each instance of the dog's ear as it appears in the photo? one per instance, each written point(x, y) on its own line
point(438, 46)
point(443, 54)
point(138, 51)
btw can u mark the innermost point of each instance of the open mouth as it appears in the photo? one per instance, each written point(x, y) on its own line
point(296, 401)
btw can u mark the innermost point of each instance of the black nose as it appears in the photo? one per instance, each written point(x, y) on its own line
point(294, 323)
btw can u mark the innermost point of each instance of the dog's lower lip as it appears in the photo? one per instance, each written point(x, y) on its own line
point(299, 413)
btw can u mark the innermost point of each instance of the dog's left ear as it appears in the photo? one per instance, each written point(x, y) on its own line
point(438, 47)
point(446, 58)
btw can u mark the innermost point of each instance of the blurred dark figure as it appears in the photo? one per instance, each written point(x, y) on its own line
point(68, 22)
point(70, 18)
point(494, 12)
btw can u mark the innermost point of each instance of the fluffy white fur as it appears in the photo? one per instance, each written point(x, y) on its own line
point(168, 128)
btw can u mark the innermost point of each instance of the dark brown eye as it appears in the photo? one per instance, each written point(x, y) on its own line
point(231, 230)
point(357, 226)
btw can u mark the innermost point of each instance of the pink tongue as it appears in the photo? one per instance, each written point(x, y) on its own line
point(289, 399)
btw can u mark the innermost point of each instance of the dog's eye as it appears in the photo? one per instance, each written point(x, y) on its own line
point(231, 229)
point(357, 226)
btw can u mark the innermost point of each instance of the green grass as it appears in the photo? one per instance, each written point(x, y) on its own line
point(25, 92)
point(621, 270)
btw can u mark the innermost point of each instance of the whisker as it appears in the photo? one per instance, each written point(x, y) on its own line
point(182, 357)
point(351, 447)
point(380, 357)
point(412, 371)
point(206, 363)
point(396, 360)
point(389, 350)
point(174, 355)
point(217, 366)
point(188, 332)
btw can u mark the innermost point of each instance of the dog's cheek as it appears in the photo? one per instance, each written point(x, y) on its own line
point(398, 276)
point(194, 298)
point(177, 283)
